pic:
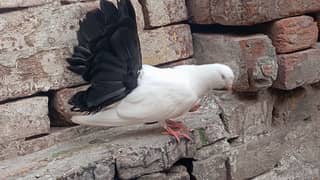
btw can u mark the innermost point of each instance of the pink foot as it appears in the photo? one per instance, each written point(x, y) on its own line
point(176, 129)
point(195, 107)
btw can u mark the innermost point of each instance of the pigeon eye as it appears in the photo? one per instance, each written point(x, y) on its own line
point(223, 77)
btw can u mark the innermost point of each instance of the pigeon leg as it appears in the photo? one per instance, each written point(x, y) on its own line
point(176, 129)
point(195, 107)
point(177, 125)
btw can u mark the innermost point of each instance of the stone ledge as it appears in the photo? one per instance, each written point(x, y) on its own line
point(134, 150)
point(20, 147)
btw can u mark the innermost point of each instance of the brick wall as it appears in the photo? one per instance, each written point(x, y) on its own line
point(267, 129)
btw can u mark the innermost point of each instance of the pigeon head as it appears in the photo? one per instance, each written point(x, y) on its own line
point(209, 76)
point(226, 76)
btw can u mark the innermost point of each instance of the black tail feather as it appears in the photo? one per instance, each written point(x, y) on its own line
point(108, 55)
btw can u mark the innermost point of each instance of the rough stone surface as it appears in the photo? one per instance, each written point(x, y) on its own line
point(135, 150)
point(297, 69)
point(297, 105)
point(23, 3)
point(24, 118)
point(294, 33)
point(60, 108)
point(166, 44)
point(164, 12)
point(20, 147)
point(212, 168)
point(175, 173)
point(32, 54)
point(291, 168)
point(62, 162)
point(301, 161)
point(257, 156)
point(246, 116)
point(252, 58)
point(293, 143)
point(238, 12)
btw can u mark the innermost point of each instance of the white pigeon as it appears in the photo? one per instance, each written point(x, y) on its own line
point(123, 91)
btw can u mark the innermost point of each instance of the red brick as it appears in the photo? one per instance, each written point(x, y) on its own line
point(318, 22)
point(298, 69)
point(252, 58)
point(239, 12)
point(295, 33)
point(166, 44)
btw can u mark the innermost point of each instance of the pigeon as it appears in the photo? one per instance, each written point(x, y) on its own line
point(123, 91)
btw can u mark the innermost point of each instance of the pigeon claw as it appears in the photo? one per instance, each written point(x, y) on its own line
point(176, 129)
point(195, 108)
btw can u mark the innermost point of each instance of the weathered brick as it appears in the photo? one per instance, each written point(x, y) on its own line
point(297, 69)
point(238, 12)
point(33, 48)
point(23, 3)
point(24, 118)
point(244, 116)
point(166, 44)
point(252, 57)
point(318, 22)
point(292, 34)
point(164, 12)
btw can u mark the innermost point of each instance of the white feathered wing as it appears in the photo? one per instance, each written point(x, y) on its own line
point(159, 96)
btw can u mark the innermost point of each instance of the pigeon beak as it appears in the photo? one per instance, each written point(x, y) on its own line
point(229, 88)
